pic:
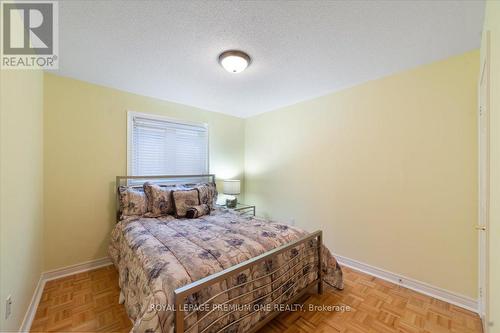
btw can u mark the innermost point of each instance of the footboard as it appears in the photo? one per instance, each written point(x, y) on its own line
point(300, 269)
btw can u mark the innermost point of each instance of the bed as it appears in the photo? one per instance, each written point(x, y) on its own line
point(221, 272)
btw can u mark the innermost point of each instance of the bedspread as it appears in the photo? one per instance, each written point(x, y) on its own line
point(155, 256)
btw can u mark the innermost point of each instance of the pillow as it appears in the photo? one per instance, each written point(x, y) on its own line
point(208, 194)
point(197, 211)
point(184, 199)
point(159, 200)
point(132, 201)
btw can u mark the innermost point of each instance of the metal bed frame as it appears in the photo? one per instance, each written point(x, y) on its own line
point(280, 281)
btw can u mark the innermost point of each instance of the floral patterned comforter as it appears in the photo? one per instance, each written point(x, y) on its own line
point(155, 256)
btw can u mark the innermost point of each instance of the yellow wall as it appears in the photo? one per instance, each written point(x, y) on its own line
point(387, 169)
point(85, 148)
point(21, 172)
point(492, 24)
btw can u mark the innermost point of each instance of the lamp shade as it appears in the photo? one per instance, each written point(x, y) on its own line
point(231, 187)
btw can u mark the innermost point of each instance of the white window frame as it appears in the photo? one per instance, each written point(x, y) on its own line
point(130, 126)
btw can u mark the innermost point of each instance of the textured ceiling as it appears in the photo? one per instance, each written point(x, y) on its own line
point(299, 49)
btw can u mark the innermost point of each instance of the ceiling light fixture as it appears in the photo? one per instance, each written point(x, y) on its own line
point(234, 61)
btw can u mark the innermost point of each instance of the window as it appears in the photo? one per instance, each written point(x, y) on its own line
point(161, 146)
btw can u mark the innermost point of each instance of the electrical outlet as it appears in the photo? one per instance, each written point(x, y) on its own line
point(8, 305)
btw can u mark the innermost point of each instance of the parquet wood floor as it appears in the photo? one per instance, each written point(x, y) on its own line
point(88, 302)
point(84, 302)
point(377, 306)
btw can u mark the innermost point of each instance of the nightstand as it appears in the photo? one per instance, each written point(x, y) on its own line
point(243, 209)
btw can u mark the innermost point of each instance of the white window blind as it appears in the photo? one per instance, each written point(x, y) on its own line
point(160, 146)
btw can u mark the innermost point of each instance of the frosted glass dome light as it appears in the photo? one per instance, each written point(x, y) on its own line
point(234, 61)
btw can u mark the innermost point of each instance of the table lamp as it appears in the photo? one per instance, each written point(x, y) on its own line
point(231, 187)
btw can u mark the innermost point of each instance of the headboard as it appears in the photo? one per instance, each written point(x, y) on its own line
point(138, 181)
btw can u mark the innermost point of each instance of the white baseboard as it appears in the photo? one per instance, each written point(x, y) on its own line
point(421, 287)
point(56, 274)
point(74, 269)
point(30, 313)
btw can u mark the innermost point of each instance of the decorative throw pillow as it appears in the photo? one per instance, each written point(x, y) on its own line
point(183, 200)
point(197, 211)
point(159, 199)
point(208, 194)
point(132, 201)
